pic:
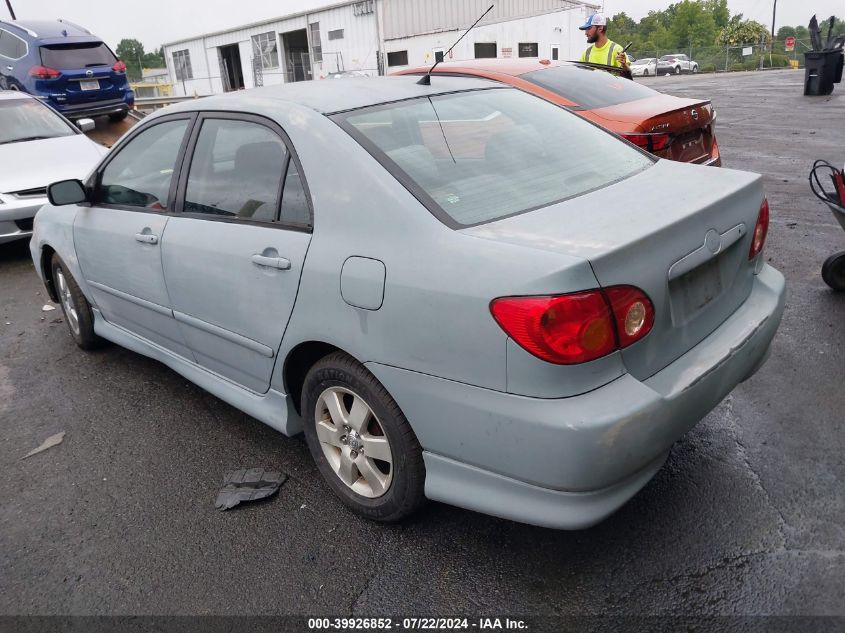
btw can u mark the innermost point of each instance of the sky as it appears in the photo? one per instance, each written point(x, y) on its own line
point(155, 22)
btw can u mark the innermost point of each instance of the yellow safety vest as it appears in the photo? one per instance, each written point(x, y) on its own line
point(605, 55)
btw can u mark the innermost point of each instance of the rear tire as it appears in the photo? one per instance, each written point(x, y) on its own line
point(349, 418)
point(677, 70)
point(118, 116)
point(78, 314)
point(645, 73)
point(833, 271)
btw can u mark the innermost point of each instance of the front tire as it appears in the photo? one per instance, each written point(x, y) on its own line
point(645, 73)
point(694, 70)
point(677, 70)
point(833, 271)
point(361, 441)
point(78, 314)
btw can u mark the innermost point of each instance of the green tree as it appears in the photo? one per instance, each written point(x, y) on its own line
point(743, 32)
point(132, 53)
point(693, 25)
point(719, 10)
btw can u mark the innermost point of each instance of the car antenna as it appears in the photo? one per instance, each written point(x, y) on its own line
point(425, 80)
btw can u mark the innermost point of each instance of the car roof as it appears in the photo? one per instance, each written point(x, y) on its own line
point(514, 67)
point(336, 96)
point(52, 31)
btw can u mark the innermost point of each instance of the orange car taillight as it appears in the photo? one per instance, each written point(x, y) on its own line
point(649, 142)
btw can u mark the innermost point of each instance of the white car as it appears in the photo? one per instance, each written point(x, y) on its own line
point(645, 67)
point(38, 146)
point(675, 64)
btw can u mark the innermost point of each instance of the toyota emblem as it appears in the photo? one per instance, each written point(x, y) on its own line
point(694, 114)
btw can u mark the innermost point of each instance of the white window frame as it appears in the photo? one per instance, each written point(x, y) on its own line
point(258, 42)
point(186, 54)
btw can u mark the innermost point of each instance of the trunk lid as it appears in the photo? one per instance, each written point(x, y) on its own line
point(657, 231)
point(688, 122)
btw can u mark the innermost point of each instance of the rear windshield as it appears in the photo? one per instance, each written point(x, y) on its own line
point(589, 88)
point(478, 156)
point(71, 56)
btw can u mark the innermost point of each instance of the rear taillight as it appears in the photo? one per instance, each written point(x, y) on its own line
point(758, 240)
point(649, 142)
point(578, 327)
point(42, 72)
point(633, 311)
point(119, 67)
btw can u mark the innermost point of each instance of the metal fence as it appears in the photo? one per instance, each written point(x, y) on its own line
point(751, 56)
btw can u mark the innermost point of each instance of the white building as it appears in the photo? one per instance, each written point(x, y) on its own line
point(373, 37)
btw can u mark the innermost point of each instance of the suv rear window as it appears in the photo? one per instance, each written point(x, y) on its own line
point(479, 156)
point(589, 88)
point(70, 56)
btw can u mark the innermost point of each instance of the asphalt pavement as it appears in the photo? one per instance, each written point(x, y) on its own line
point(746, 518)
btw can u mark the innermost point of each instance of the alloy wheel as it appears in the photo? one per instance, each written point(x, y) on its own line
point(67, 302)
point(354, 442)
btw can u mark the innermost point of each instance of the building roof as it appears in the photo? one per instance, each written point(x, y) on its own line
point(319, 7)
point(337, 96)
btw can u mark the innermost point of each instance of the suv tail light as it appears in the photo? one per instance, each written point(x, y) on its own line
point(649, 142)
point(577, 327)
point(758, 240)
point(119, 67)
point(42, 72)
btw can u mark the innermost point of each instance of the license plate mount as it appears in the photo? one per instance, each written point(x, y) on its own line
point(89, 84)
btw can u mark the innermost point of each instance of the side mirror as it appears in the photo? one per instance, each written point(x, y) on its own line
point(86, 125)
point(66, 192)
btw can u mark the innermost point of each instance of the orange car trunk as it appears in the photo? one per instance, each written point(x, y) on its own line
point(659, 125)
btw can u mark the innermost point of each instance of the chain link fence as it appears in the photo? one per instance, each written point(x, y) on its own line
point(731, 58)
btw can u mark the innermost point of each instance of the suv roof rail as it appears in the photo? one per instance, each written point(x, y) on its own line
point(74, 25)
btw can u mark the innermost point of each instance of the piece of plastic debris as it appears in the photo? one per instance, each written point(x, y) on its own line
point(248, 485)
point(302, 507)
point(50, 442)
point(47, 308)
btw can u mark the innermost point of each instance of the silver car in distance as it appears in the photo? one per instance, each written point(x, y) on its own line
point(457, 291)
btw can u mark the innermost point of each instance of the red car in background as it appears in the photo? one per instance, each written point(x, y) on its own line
point(669, 127)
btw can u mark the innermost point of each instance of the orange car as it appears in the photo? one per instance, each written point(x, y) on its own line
point(668, 127)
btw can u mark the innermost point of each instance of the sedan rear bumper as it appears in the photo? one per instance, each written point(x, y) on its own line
point(569, 463)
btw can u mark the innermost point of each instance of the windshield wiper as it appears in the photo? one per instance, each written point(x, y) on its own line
point(25, 138)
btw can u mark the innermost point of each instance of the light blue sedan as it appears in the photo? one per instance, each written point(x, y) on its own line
point(457, 291)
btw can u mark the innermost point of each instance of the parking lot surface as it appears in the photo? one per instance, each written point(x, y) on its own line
point(747, 517)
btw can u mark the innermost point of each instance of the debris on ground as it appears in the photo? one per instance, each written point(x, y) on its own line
point(50, 442)
point(248, 485)
point(47, 308)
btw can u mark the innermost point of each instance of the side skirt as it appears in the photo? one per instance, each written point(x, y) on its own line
point(273, 408)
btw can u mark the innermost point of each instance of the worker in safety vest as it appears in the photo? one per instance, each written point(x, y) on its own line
point(602, 50)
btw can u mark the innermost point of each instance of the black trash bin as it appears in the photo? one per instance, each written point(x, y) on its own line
point(822, 69)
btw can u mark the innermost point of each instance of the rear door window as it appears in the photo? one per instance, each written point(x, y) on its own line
point(589, 88)
point(72, 56)
point(236, 171)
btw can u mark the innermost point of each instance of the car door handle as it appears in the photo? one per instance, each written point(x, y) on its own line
point(9, 68)
point(271, 262)
point(146, 238)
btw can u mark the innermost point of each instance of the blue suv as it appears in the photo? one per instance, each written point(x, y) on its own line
point(65, 66)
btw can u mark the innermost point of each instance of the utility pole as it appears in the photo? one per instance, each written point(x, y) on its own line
point(774, 10)
point(11, 10)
